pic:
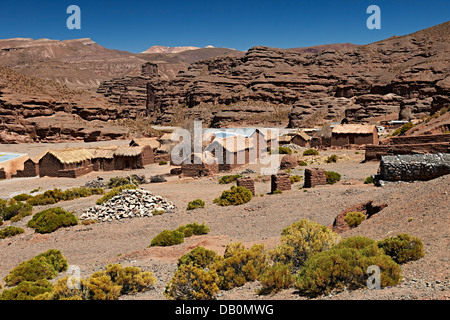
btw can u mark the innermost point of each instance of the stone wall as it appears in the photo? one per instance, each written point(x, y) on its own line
point(314, 177)
point(246, 183)
point(280, 181)
point(414, 167)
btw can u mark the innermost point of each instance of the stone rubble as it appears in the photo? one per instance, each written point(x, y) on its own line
point(128, 204)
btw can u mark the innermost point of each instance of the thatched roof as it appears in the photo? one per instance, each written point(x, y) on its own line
point(303, 135)
point(71, 155)
point(105, 152)
point(151, 142)
point(128, 151)
point(353, 128)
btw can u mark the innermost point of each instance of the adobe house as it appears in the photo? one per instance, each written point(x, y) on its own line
point(30, 169)
point(142, 142)
point(200, 165)
point(69, 163)
point(357, 134)
point(255, 135)
point(132, 157)
point(10, 163)
point(233, 152)
point(103, 158)
point(301, 139)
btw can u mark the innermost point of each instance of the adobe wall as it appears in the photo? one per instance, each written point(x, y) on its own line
point(376, 152)
point(49, 166)
point(75, 173)
point(147, 156)
point(199, 170)
point(30, 169)
point(247, 183)
point(280, 181)
point(429, 138)
point(314, 177)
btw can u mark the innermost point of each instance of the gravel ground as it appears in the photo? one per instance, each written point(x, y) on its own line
point(419, 208)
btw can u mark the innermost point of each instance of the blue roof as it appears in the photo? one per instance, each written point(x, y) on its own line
point(223, 133)
point(9, 156)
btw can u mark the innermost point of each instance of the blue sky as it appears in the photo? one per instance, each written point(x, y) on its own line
point(136, 25)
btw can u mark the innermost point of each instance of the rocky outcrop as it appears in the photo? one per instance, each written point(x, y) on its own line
point(356, 82)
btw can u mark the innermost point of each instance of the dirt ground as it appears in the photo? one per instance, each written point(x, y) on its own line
point(420, 209)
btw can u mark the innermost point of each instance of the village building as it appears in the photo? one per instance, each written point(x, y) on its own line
point(233, 152)
point(10, 163)
point(142, 142)
point(255, 135)
point(200, 165)
point(356, 134)
point(301, 139)
point(69, 163)
point(30, 169)
point(132, 157)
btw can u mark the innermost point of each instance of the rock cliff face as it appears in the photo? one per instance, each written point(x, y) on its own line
point(356, 82)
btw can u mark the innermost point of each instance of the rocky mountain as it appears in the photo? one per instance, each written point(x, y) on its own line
point(360, 83)
point(84, 64)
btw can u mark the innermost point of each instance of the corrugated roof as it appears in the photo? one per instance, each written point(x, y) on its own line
point(354, 128)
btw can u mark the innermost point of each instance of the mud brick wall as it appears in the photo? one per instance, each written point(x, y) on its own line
point(280, 181)
point(414, 167)
point(246, 183)
point(314, 177)
point(429, 138)
point(30, 169)
point(376, 152)
point(199, 170)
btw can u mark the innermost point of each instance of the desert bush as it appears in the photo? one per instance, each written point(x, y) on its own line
point(192, 283)
point(229, 178)
point(233, 197)
point(195, 204)
point(354, 219)
point(52, 219)
point(27, 290)
point(114, 192)
point(403, 129)
point(402, 248)
point(15, 211)
point(345, 266)
point(10, 231)
point(167, 238)
point(56, 195)
point(332, 177)
point(22, 197)
point(302, 163)
point(157, 212)
point(284, 150)
point(276, 278)
point(369, 180)
point(331, 159)
point(115, 182)
point(162, 163)
point(198, 229)
point(198, 257)
point(311, 152)
point(301, 240)
point(278, 191)
point(295, 178)
point(239, 265)
point(43, 266)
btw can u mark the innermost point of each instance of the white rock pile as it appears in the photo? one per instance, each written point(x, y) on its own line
point(128, 204)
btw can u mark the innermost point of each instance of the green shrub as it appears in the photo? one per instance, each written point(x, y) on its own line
point(239, 265)
point(229, 178)
point(369, 180)
point(167, 238)
point(403, 129)
point(301, 240)
point(198, 229)
point(120, 181)
point(284, 150)
point(233, 197)
point(114, 192)
point(354, 219)
point(192, 283)
point(332, 177)
point(276, 278)
point(162, 163)
point(43, 266)
point(402, 248)
point(157, 212)
point(10, 231)
point(198, 257)
point(195, 204)
point(278, 191)
point(27, 290)
point(331, 159)
point(341, 267)
point(22, 197)
point(56, 195)
point(302, 163)
point(52, 219)
point(311, 152)
point(15, 211)
point(295, 178)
